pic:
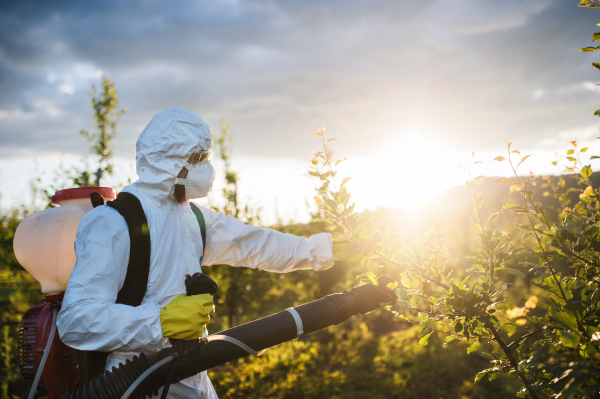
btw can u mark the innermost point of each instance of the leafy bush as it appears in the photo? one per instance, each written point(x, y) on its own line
point(555, 352)
point(357, 360)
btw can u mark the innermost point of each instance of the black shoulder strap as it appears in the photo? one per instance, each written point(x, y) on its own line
point(201, 222)
point(92, 364)
point(136, 279)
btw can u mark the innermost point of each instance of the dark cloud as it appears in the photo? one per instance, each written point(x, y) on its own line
point(470, 73)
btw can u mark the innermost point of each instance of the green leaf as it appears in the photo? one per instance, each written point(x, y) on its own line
point(569, 339)
point(564, 318)
point(524, 158)
point(586, 171)
point(423, 325)
point(571, 152)
point(571, 159)
point(344, 181)
point(584, 149)
point(499, 158)
point(510, 329)
point(473, 347)
point(596, 37)
point(392, 286)
point(372, 277)
point(516, 272)
point(423, 341)
point(401, 316)
point(492, 376)
point(451, 338)
point(480, 375)
point(587, 49)
point(493, 216)
point(515, 207)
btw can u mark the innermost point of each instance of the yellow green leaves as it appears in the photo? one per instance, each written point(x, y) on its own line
point(491, 373)
point(515, 188)
point(523, 159)
point(473, 347)
point(587, 193)
point(566, 319)
point(423, 341)
point(569, 339)
point(499, 158)
point(515, 272)
point(588, 3)
point(372, 278)
point(586, 171)
point(515, 208)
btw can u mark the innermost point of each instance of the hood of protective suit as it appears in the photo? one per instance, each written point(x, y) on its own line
point(163, 149)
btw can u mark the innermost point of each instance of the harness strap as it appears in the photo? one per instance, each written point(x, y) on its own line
point(136, 280)
point(201, 222)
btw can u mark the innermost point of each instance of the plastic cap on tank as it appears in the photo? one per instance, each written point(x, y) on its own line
point(81, 193)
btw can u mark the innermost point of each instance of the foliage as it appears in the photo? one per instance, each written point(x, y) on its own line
point(556, 352)
point(106, 115)
point(368, 357)
point(18, 291)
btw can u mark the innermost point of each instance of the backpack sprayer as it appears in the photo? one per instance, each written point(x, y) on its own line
point(145, 374)
point(43, 245)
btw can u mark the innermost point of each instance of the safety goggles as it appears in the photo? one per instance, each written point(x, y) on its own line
point(200, 156)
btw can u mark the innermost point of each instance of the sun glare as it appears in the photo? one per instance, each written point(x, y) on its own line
point(404, 173)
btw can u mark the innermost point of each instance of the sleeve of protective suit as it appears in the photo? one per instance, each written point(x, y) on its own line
point(231, 242)
point(90, 319)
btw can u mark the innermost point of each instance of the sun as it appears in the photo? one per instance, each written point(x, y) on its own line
point(404, 173)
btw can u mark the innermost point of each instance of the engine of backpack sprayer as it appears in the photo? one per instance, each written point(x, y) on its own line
point(44, 246)
point(60, 374)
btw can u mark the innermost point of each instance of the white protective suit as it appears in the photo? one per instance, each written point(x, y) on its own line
point(90, 320)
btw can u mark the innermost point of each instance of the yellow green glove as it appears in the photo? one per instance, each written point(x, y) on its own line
point(186, 317)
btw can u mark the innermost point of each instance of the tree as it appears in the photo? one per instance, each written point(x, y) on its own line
point(550, 264)
point(106, 115)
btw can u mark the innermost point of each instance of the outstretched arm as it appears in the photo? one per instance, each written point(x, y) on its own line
point(232, 242)
point(90, 319)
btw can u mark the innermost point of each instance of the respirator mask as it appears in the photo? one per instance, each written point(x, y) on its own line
point(200, 176)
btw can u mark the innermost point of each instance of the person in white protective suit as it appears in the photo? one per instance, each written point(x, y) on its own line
point(90, 320)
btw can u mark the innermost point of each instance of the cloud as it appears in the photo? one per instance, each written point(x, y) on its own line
point(465, 72)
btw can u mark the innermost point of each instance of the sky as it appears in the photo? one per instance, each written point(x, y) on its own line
point(409, 88)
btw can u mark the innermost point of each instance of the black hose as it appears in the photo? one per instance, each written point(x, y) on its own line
point(259, 334)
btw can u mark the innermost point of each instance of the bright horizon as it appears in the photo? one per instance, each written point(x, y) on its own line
point(400, 175)
point(410, 89)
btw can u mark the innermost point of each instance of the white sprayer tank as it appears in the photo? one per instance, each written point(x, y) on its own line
point(44, 241)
